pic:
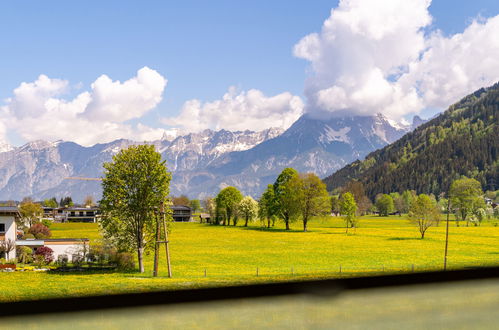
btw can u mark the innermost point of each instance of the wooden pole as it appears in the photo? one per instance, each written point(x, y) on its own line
point(166, 242)
point(156, 247)
point(447, 234)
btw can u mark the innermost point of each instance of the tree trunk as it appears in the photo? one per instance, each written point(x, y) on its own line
point(305, 225)
point(287, 223)
point(140, 255)
point(246, 222)
point(422, 234)
point(268, 223)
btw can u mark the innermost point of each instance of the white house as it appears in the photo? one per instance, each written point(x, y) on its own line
point(8, 215)
point(64, 247)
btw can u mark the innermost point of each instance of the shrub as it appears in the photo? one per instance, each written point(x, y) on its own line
point(40, 231)
point(24, 254)
point(77, 259)
point(123, 260)
point(101, 253)
point(44, 255)
point(62, 260)
point(47, 223)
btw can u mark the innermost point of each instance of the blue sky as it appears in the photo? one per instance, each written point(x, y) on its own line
point(201, 47)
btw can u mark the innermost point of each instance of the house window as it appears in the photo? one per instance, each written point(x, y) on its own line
point(2, 227)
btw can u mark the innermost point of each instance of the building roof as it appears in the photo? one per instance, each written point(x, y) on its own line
point(93, 208)
point(66, 239)
point(36, 242)
point(9, 210)
point(180, 207)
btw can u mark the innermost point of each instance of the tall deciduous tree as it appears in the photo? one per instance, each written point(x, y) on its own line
point(30, 212)
point(285, 196)
point(356, 188)
point(89, 201)
point(465, 196)
point(66, 202)
point(52, 202)
point(227, 201)
point(335, 205)
point(195, 205)
point(135, 187)
point(248, 208)
point(209, 206)
point(267, 205)
point(311, 196)
point(424, 213)
point(348, 208)
point(182, 200)
point(384, 204)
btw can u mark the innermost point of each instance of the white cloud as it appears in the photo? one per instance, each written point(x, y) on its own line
point(239, 111)
point(37, 110)
point(374, 56)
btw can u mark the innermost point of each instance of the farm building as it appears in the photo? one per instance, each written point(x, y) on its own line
point(181, 213)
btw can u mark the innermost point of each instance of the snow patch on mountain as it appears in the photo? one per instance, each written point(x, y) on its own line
point(331, 135)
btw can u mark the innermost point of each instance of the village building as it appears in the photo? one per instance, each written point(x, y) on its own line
point(8, 216)
point(81, 214)
point(72, 214)
point(64, 248)
point(181, 213)
point(204, 218)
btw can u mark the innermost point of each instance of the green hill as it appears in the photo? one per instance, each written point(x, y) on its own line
point(463, 140)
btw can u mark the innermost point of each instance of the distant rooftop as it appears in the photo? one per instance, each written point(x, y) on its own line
point(180, 207)
point(9, 210)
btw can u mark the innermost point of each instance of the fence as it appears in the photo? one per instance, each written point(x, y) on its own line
point(339, 270)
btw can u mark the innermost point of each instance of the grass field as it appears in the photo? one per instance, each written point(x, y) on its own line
point(231, 255)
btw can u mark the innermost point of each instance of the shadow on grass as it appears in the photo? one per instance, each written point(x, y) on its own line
point(404, 239)
point(86, 271)
point(275, 230)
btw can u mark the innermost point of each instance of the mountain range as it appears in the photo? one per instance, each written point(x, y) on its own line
point(464, 140)
point(202, 163)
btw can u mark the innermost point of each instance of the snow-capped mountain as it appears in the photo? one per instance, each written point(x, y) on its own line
point(309, 145)
point(201, 163)
point(39, 168)
point(4, 147)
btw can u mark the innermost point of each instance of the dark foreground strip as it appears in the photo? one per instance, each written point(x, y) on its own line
point(314, 287)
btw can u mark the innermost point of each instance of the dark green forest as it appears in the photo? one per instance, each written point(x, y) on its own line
point(461, 141)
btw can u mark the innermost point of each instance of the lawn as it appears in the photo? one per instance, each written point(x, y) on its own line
point(234, 255)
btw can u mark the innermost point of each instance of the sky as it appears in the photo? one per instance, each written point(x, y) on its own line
point(96, 71)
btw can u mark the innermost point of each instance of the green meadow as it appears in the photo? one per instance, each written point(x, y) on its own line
point(207, 255)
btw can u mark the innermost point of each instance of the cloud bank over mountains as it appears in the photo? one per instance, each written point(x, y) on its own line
point(239, 111)
point(370, 57)
point(384, 56)
point(37, 110)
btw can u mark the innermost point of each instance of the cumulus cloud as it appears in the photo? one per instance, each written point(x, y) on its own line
point(238, 111)
point(380, 56)
point(37, 110)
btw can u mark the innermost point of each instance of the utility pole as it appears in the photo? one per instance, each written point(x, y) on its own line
point(161, 218)
point(156, 248)
point(447, 234)
point(166, 241)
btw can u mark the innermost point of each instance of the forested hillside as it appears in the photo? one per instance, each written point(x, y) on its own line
point(463, 140)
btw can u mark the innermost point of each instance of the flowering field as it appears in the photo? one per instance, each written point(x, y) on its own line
point(206, 255)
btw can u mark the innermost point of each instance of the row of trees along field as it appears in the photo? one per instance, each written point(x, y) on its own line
point(296, 196)
point(293, 195)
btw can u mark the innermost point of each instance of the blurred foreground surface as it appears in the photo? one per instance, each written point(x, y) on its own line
point(459, 305)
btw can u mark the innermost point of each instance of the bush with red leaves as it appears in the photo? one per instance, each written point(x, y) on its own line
point(40, 231)
point(44, 254)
